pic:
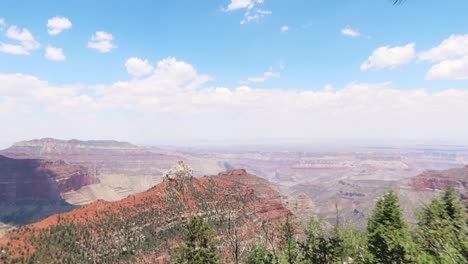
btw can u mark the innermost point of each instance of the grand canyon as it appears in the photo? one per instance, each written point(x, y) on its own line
point(48, 183)
point(233, 131)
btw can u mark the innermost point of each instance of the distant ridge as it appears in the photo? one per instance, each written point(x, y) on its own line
point(45, 143)
point(55, 148)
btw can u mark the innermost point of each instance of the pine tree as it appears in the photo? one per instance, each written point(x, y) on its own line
point(436, 235)
point(458, 220)
point(259, 255)
point(388, 237)
point(198, 246)
point(350, 244)
point(317, 247)
point(453, 208)
point(287, 241)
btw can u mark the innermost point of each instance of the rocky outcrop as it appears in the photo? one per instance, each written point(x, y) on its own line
point(22, 179)
point(302, 206)
point(122, 168)
point(179, 171)
point(150, 224)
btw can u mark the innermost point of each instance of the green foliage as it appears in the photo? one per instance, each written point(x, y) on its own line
point(352, 244)
point(198, 246)
point(317, 247)
point(453, 208)
point(388, 238)
point(259, 255)
point(440, 235)
point(442, 231)
point(288, 243)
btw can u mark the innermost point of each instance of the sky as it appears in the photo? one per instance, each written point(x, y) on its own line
point(185, 72)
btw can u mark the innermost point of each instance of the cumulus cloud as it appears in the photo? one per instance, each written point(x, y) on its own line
point(57, 24)
point(455, 46)
point(102, 41)
point(348, 31)
point(54, 54)
point(176, 102)
point(26, 42)
point(284, 28)
point(450, 59)
point(451, 69)
point(389, 57)
point(138, 67)
point(27, 91)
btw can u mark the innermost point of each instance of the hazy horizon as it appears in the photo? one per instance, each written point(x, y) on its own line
point(292, 144)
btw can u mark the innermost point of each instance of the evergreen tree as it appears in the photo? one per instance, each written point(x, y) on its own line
point(317, 247)
point(388, 238)
point(287, 241)
point(198, 246)
point(453, 208)
point(350, 244)
point(458, 220)
point(436, 236)
point(259, 255)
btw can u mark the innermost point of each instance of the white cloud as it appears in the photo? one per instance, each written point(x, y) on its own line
point(242, 4)
point(102, 41)
point(284, 28)
point(54, 54)
point(348, 31)
point(12, 49)
point(450, 59)
point(138, 67)
point(26, 41)
point(389, 57)
point(176, 102)
point(259, 79)
point(328, 87)
point(2, 23)
point(56, 25)
point(252, 13)
point(455, 46)
point(451, 69)
point(28, 92)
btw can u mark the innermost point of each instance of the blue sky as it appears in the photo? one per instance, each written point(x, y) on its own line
point(313, 50)
point(287, 46)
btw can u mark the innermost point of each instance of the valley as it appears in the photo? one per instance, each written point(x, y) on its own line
point(313, 183)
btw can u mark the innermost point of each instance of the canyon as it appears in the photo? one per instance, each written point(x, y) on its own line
point(311, 183)
point(31, 189)
point(145, 228)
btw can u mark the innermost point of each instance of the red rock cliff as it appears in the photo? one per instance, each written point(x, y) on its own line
point(40, 179)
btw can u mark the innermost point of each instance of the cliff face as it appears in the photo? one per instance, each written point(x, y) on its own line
point(122, 168)
point(22, 179)
point(439, 180)
point(149, 225)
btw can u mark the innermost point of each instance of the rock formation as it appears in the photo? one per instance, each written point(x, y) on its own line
point(145, 227)
point(40, 179)
point(439, 180)
point(179, 171)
